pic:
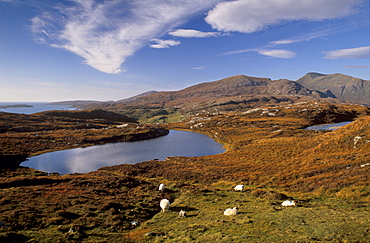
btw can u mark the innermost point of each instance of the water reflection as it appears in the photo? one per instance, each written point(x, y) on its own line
point(82, 160)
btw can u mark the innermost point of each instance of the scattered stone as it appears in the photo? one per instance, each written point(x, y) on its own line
point(356, 140)
point(134, 223)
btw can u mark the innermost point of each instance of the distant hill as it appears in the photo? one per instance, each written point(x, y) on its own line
point(14, 106)
point(342, 87)
point(136, 96)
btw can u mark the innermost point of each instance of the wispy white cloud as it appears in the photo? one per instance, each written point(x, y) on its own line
point(356, 66)
point(329, 30)
point(240, 51)
point(283, 42)
point(189, 33)
point(279, 53)
point(159, 44)
point(306, 37)
point(105, 33)
point(199, 68)
point(248, 16)
point(352, 53)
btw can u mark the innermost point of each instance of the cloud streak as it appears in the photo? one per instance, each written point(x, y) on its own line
point(352, 53)
point(189, 33)
point(105, 33)
point(279, 53)
point(160, 44)
point(356, 66)
point(199, 68)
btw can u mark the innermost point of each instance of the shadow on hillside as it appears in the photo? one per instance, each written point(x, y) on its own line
point(12, 161)
point(185, 208)
point(29, 182)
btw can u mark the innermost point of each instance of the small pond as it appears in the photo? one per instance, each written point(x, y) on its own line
point(332, 126)
point(83, 160)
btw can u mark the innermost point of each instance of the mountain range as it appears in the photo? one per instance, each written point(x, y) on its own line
point(240, 92)
point(315, 85)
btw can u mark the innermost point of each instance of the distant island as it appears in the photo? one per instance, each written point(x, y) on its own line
point(74, 102)
point(14, 106)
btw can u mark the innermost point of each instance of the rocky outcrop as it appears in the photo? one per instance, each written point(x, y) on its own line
point(286, 87)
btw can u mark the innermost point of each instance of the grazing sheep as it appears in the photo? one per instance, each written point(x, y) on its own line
point(239, 188)
point(230, 211)
point(182, 213)
point(165, 205)
point(161, 188)
point(288, 203)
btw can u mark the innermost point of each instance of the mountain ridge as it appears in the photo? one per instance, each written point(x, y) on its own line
point(232, 88)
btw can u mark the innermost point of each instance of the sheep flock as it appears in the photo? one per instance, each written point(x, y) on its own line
point(165, 203)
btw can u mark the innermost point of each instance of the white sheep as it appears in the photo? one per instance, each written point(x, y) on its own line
point(165, 204)
point(161, 188)
point(239, 188)
point(288, 203)
point(182, 213)
point(231, 211)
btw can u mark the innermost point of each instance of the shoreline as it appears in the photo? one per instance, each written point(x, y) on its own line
point(23, 136)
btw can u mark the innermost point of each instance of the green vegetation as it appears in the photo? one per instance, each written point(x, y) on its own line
point(260, 219)
point(151, 114)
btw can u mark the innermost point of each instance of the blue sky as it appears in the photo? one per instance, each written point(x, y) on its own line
point(114, 49)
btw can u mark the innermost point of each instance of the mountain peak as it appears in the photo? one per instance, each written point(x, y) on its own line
point(313, 75)
point(342, 87)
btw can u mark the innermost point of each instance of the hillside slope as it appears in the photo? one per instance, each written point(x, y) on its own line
point(343, 87)
point(88, 114)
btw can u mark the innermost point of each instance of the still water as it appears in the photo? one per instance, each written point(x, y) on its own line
point(83, 160)
point(332, 126)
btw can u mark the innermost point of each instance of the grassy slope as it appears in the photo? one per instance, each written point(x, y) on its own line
point(260, 219)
